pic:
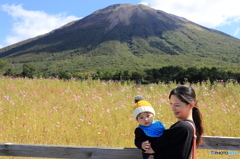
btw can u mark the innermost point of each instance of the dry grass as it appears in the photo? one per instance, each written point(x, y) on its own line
point(87, 113)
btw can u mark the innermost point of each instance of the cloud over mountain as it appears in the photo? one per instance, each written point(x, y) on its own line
point(27, 24)
point(209, 13)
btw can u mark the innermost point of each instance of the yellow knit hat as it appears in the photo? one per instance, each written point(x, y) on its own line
point(142, 106)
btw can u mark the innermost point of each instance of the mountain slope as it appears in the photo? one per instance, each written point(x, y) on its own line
point(126, 36)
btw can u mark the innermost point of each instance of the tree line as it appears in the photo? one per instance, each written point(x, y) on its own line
point(164, 74)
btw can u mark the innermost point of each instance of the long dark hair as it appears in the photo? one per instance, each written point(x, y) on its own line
point(187, 95)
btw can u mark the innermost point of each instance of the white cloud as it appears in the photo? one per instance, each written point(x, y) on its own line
point(28, 24)
point(209, 13)
point(237, 32)
point(145, 3)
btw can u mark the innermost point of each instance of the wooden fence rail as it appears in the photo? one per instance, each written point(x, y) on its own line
point(55, 151)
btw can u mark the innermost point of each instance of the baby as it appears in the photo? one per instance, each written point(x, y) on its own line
point(148, 128)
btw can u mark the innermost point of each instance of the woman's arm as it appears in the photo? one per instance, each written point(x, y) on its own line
point(175, 134)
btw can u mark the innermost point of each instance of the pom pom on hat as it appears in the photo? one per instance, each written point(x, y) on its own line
point(142, 106)
point(138, 98)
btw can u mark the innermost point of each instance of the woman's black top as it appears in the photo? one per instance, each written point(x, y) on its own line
point(175, 142)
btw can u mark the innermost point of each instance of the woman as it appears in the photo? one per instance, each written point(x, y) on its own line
point(176, 142)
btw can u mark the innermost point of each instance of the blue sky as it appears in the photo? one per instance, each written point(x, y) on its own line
point(24, 19)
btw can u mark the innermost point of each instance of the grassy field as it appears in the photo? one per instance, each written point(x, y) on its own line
point(87, 113)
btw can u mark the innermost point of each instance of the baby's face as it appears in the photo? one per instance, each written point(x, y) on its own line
point(145, 118)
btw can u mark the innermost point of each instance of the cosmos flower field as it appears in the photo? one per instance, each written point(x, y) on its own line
point(99, 113)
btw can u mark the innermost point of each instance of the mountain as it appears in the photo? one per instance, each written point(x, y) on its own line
point(126, 37)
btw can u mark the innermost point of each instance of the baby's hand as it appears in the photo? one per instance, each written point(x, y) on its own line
point(145, 145)
point(150, 150)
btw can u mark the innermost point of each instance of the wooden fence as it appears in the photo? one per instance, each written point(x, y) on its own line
point(55, 151)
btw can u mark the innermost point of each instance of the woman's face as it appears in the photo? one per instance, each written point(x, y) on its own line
point(180, 109)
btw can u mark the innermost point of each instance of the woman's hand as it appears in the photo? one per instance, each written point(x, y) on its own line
point(151, 157)
point(145, 145)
